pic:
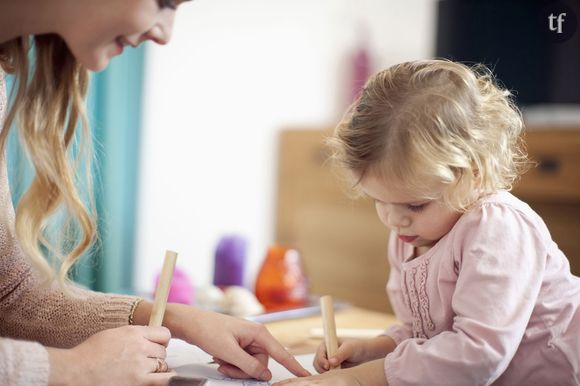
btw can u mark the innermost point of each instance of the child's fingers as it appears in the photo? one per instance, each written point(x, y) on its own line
point(343, 353)
point(320, 363)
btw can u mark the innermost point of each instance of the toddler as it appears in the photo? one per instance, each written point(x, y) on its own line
point(483, 293)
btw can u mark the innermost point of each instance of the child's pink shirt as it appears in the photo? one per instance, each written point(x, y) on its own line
point(493, 302)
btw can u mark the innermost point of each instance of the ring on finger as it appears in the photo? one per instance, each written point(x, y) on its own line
point(161, 366)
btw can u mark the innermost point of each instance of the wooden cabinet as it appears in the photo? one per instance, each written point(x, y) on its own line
point(552, 188)
point(342, 242)
point(344, 245)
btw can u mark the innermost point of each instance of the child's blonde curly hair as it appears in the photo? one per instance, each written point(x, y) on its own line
point(436, 128)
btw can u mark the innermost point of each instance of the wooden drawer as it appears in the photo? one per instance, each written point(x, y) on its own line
point(557, 174)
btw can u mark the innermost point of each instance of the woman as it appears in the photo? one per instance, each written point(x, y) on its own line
point(54, 333)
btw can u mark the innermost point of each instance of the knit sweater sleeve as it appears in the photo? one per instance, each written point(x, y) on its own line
point(46, 315)
point(30, 312)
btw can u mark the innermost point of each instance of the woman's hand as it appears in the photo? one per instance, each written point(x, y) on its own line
point(241, 348)
point(121, 356)
point(367, 374)
point(353, 352)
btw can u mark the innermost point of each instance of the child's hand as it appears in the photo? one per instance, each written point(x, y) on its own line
point(367, 374)
point(353, 352)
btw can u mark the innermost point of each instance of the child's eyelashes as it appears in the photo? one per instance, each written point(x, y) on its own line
point(412, 207)
point(416, 208)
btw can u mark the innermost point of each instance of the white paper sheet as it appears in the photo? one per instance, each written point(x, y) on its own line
point(190, 361)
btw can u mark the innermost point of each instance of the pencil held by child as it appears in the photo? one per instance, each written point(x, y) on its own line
point(329, 327)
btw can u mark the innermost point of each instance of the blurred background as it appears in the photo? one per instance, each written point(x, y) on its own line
point(216, 99)
point(220, 133)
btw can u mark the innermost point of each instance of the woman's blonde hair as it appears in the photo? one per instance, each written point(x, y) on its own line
point(436, 128)
point(48, 103)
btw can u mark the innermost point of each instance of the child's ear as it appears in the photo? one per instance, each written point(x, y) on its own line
point(476, 178)
point(478, 186)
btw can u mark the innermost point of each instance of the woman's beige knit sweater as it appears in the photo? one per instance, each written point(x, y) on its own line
point(31, 316)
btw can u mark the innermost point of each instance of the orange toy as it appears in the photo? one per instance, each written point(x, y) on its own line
point(281, 282)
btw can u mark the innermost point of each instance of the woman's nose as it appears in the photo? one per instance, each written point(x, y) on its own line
point(160, 33)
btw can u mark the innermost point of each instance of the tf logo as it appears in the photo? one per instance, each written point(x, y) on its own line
point(558, 20)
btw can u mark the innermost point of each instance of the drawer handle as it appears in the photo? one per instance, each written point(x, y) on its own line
point(549, 166)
